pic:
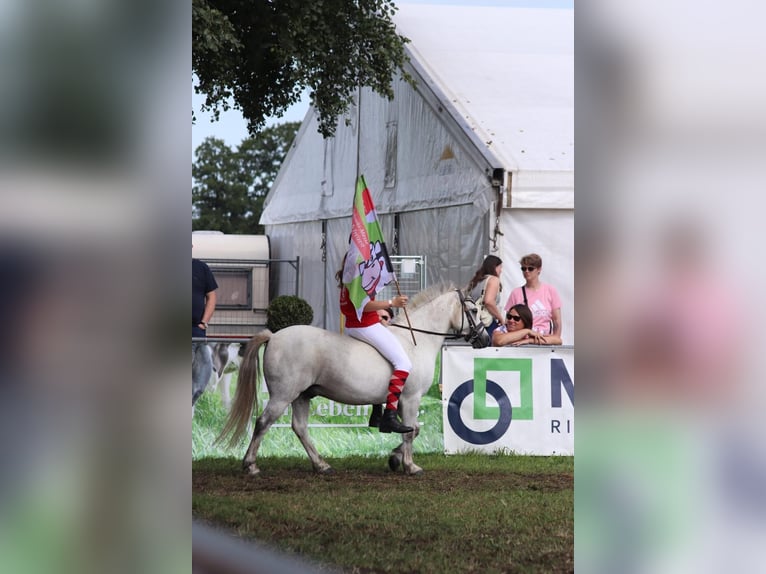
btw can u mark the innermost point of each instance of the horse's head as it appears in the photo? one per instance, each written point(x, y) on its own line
point(474, 330)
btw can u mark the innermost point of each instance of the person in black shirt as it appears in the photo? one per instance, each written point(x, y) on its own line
point(203, 297)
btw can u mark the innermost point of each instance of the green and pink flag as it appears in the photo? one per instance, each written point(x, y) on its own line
point(368, 268)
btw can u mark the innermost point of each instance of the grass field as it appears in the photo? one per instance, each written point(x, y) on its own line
point(467, 513)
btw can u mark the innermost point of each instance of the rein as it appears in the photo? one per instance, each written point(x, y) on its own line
point(447, 335)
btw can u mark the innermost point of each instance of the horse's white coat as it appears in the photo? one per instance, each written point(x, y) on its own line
point(304, 358)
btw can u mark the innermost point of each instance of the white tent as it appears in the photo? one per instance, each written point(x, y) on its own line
point(477, 159)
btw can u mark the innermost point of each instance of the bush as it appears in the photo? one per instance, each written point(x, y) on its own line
point(287, 310)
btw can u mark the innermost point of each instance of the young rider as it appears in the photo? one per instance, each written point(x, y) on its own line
point(370, 330)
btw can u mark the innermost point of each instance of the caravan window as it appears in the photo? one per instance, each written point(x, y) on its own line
point(234, 288)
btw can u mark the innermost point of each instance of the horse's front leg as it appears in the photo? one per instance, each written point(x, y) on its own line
point(397, 455)
point(403, 453)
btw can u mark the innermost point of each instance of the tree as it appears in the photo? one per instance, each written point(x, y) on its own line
point(231, 185)
point(262, 54)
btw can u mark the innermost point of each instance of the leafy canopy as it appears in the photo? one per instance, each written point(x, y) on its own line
point(230, 186)
point(262, 54)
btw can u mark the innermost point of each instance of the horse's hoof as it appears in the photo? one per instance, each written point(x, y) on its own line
point(413, 470)
point(326, 471)
point(414, 473)
point(394, 461)
point(252, 470)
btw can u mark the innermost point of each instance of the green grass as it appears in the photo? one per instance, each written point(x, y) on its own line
point(466, 513)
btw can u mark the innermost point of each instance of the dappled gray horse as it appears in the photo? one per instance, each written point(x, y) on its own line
point(220, 356)
point(225, 354)
point(202, 369)
point(301, 362)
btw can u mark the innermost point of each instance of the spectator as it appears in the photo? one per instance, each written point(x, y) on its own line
point(203, 305)
point(518, 330)
point(203, 297)
point(485, 288)
point(541, 298)
point(386, 315)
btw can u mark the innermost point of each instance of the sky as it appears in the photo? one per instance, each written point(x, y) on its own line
point(232, 127)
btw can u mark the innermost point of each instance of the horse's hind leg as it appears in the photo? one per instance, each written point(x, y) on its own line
point(272, 412)
point(300, 428)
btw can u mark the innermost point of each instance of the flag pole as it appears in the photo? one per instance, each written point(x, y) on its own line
point(412, 333)
point(358, 175)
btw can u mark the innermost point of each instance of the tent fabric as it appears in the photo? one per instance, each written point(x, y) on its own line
point(476, 159)
point(431, 168)
point(509, 74)
point(454, 239)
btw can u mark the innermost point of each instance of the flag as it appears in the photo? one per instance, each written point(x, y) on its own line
point(368, 268)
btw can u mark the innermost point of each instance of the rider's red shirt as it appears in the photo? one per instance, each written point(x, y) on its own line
point(349, 312)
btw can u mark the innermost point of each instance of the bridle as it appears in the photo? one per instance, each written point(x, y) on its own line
point(477, 334)
point(474, 335)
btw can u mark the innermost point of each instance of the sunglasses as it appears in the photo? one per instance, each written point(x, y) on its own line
point(530, 269)
point(513, 317)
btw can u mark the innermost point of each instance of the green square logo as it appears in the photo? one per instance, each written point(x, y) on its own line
point(481, 411)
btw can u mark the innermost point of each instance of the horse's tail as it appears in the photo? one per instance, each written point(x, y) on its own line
point(246, 396)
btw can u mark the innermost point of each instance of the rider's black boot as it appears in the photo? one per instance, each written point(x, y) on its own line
point(377, 412)
point(389, 423)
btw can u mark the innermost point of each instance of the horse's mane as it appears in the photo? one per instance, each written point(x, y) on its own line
point(429, 294)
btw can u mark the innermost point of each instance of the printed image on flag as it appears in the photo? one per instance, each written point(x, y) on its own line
point(368, 269)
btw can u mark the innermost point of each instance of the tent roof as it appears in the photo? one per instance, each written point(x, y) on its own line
point(504, 79)
point(508, 73)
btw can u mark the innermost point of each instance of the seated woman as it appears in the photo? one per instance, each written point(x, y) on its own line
point(518, 330)
point(386, 316)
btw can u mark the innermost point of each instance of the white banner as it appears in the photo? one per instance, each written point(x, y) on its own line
point(518, 399)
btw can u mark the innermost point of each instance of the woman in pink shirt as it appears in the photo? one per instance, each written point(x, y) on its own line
point(542, 299)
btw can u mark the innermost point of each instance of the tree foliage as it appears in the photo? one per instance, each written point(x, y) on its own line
point(262, 54)
point(230, 186)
